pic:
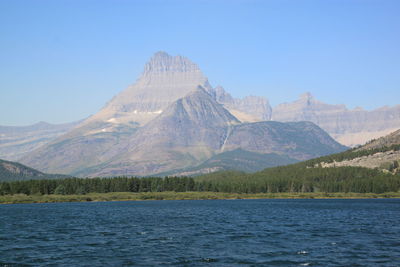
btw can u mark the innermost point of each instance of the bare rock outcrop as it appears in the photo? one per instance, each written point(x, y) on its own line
point(349, 127)
point(164, 80)
point(384, 141)
point(247, 109)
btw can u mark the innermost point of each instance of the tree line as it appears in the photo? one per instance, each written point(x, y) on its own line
point(297, 179)
point(292, 178)
point(70, 186)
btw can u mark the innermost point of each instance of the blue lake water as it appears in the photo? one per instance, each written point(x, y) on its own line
point(202, 233)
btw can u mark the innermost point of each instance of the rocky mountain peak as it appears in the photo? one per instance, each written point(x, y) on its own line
point(247, 109)
point(165, 79)
point(306, 98)
point(222, 96)
point(162, 62)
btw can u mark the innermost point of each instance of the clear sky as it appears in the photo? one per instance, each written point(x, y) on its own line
point(62, 60)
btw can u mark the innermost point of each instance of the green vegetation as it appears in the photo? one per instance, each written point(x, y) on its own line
point(128, 196)
point(71, 186)
point(12, 171)
point(350, 154)
point(293, 179)
point(296, 178)
point(308, 176)
point(301, 180)
point(391, 166)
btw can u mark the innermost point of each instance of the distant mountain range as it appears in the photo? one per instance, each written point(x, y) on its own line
point(381, 155)
point(348, 127)
point(16, 141)
point(173, 121)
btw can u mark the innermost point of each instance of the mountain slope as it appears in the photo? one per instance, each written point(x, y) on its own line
point(349, 127)
point(17, 141)
point(385, 141)
point(79, 149)
point(341, 172)
point(164, 80)
point(382, 154)
point(237, 160)
point(12, 171)
point(196, 127)
point(248, 109)
point(189, 131)
point(298, 140)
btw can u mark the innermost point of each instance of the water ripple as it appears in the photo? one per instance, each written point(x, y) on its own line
point(198, 233)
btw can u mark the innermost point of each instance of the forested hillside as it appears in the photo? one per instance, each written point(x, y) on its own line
point(306, 176)
point(11, 171)
point(310, 176)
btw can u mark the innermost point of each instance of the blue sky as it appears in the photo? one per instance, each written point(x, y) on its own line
point(62, 60)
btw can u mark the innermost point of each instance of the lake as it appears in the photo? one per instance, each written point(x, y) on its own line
point(292, 232)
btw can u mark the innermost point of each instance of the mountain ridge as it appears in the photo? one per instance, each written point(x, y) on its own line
point(349, 127)
point(191, 130)
point(13, 171)
point(172, 118)
point(18, 141)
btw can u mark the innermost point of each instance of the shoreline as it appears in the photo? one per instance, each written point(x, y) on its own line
point(128, 196)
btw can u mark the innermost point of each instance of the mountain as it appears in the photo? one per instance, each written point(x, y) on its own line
point(17, 141)
point(12, 171)
point(248, 109)
point(238, 160)
point(298, 140)
point(171, 119)
point(164, 80)
point(196, 127)
point(85, 146)
point(384, 141)
point(382, 154)
point(374, 167)
point(348, 127)
point(190, 130)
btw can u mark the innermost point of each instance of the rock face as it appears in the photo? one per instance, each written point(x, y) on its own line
point(248, 109)
point(164, 80)
point(377, 160)
point(382, 153)
point(17, 141)
point(172, 118)
point(349, 127)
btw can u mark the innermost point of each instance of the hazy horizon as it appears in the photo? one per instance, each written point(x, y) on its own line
point(62, 61)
